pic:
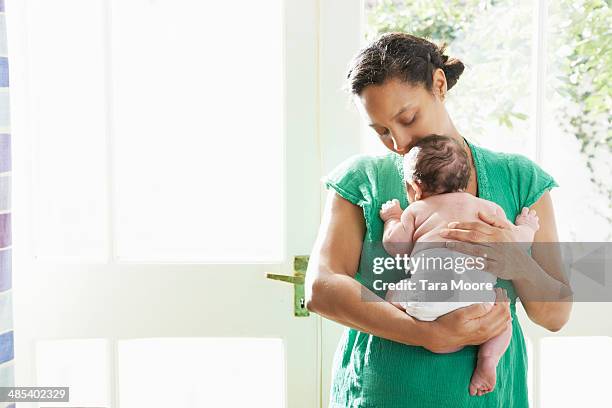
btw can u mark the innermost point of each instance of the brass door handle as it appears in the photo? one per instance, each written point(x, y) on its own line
point(300, 263)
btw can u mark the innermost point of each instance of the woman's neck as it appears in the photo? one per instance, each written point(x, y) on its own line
point(472, 186)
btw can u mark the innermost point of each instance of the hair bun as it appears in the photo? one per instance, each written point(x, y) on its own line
point(453, 70)
point(452, 67)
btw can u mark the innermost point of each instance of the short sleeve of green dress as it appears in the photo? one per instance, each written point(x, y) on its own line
point(374, 372)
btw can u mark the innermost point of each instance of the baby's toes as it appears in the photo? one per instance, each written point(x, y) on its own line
point(529, 220)
point(532, 217)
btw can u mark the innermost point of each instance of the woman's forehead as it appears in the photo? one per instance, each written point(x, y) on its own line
point(387, 99)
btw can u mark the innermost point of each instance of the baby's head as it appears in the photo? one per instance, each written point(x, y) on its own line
point(435, 165)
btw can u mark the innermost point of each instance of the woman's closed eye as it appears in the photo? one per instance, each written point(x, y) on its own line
point(408, 122)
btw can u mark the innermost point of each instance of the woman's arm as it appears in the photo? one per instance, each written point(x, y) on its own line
point(334, 293)
point(546, 273)
point(538, 279)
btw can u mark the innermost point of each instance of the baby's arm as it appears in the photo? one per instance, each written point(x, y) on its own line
point(398, 229)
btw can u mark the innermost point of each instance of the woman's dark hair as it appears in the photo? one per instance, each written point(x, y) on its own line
point(439, 163)
point(401, 56)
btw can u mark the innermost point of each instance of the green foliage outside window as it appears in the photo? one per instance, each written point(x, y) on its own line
point(582, 40)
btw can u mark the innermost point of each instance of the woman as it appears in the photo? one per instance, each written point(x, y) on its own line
point(385, 357)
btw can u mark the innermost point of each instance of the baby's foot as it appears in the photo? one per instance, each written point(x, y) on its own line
point(390, 210)
point(484, 376)
point(529, 218)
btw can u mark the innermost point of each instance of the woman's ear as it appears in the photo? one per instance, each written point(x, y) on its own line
point(439, 83)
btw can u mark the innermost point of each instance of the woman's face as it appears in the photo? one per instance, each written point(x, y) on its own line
point(401, 113)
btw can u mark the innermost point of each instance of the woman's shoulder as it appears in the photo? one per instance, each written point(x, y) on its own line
point(366, 162)
point(525, 178)
point(356, 178)
point(514, 165)
point(365, 167)
point(502, 160)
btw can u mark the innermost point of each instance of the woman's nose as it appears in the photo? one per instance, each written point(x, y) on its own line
point(398, 146)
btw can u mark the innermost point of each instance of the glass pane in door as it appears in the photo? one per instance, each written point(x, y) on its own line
point(201, 372)
point(80, 364)
point(198, 129)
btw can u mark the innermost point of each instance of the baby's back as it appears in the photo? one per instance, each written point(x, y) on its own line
point(434, 213)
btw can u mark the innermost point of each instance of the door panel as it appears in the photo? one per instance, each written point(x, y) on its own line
point(340, 125)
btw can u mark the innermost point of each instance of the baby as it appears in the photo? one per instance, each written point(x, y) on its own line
point(436, 173)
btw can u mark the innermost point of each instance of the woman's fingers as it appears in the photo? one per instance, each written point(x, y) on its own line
point(475, 311)
point(480, 250)
point(470, 235)
point(471, 225)
point(487, 255)
point(492, 322)
point(476, 323)
point(478, 310)
point(496, 321)
point(493, 220)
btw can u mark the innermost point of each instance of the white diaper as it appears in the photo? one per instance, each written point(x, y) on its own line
point(418, 302)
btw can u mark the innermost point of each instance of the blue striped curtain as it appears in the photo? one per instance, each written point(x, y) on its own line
point(7, 377)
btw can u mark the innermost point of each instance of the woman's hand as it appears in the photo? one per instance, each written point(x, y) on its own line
point(491, 239)
point(471, 325)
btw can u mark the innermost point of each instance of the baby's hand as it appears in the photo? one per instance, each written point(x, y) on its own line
point(391, 210)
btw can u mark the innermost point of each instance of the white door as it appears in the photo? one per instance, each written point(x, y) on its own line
point(166, 159)
point(341, 28)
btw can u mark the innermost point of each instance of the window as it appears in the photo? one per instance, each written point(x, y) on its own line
point(535, 83)
point(143, 146)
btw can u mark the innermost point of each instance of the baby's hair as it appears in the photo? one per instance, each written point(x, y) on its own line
point(439, 163)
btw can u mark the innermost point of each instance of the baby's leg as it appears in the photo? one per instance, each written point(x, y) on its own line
point(485, 375)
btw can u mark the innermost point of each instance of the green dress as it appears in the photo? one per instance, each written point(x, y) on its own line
point(374, 372)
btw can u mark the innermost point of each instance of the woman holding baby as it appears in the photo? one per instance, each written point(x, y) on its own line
point(386, 357)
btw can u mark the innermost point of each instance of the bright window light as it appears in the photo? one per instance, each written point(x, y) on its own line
point(198, 130)
point(80, 364)
point(576, 371)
